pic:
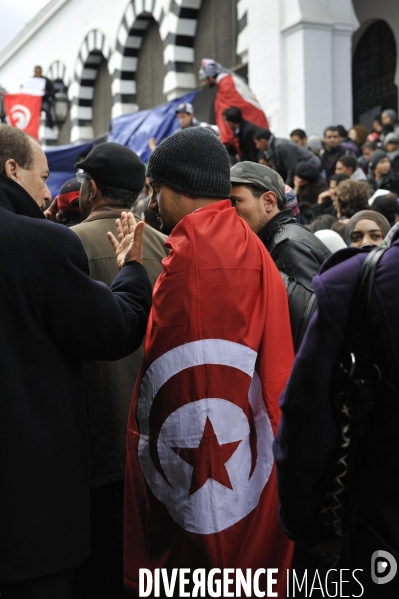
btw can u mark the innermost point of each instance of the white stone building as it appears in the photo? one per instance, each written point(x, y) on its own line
point(311, 63)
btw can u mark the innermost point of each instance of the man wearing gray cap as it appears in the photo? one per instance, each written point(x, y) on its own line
point(259, 198)
point(112, 179)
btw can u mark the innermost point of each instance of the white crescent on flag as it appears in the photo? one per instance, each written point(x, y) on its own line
point(21, 116)
point(201, 500)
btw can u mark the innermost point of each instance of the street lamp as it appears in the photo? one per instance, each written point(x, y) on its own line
point(61, 107)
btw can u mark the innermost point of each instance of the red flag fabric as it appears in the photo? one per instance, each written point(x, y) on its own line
point(233, 91)
point(23, 111)
point(200, 488)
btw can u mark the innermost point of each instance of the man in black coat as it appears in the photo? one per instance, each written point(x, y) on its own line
point(52, 318)
point(244, 132)
point(259, 198)
point(283, 154)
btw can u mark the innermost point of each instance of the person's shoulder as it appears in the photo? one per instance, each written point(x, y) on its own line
point(154, 241)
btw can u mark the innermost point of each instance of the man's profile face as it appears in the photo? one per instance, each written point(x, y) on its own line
point(386, 119)
point(184, 119)
point(331, 139)
point(38, 72)
point(34, 181)
point(167, 204)
point(231, 125)
point(250, 208)
point(340, 169)
point(299, 141)
point(84, 204)
point(261, 144)
point(210, 81)
point(367, 153)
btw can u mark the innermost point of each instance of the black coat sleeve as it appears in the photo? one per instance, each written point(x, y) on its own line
point(307, 434)
point(84, 317)
point(288, 158)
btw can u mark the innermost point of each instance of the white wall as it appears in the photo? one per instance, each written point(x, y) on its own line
point(61, 38)
point(300, 62)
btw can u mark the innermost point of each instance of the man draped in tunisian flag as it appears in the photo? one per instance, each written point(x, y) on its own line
point(200, 478)
point(232, 91)
point(23, 111)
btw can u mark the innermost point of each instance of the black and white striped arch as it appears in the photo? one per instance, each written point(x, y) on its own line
point(177, 29)
point(94, 50)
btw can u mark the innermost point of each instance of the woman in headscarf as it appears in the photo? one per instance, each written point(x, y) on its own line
point(366, 227)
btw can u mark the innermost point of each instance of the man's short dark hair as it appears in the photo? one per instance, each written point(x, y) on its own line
point(115, 196)
point(331, 128)
point(258, 191)
point(373, 145)
point(298, 133)
point(233, 114)
point(15, 144)
point(348, 161)
point(339, 178)
point(341, 130)
point(262, 134)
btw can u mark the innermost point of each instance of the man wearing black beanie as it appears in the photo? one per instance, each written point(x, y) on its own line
point(199, 483)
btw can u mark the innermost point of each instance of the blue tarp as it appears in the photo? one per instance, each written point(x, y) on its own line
point(134, 130)
point(131, 130)
point(61, 161)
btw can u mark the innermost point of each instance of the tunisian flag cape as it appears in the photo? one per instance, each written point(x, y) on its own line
point(233, 91)
point(200, 489)
point(23, 111)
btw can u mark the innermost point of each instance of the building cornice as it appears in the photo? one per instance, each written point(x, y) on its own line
point(34, 25)
point(305, 23)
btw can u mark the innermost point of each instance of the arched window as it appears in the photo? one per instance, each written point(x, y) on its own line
point(150, 69)
point(373, 72)
point(216, 35)
point(102, 102)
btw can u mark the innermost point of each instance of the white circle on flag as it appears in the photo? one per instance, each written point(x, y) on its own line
point(21, 116)
point(213, 507)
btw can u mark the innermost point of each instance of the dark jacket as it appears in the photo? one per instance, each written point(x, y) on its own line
point(285, 156)
point(245, 136)
point(390, 182)
point(329, 159)
point(295, 250)
point(52, 317)
point(109, 385)
point(307, 436)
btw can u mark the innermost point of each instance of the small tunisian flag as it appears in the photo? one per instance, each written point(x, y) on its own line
point(23, 111)
point(200, 489)
point(233, 91)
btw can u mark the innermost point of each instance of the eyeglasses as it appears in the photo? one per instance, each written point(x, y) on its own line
point(81, 177)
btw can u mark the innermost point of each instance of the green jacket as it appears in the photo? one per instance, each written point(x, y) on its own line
point(109, 385)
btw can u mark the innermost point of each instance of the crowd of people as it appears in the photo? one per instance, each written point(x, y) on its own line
point(184, 333)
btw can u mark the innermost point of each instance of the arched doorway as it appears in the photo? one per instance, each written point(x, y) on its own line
point(150, 69)
point(373, 72)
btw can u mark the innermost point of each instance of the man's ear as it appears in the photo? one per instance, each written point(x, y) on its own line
point(94, 191)
point(11, 169)
point(269, 200)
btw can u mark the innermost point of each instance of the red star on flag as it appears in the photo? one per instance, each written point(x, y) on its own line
point(208, 459)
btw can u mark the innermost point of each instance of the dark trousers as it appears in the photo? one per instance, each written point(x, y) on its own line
point(101, 576)
point(46, 107)
point(55, 586)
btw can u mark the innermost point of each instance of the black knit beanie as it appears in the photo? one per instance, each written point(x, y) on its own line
point(192, 161)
